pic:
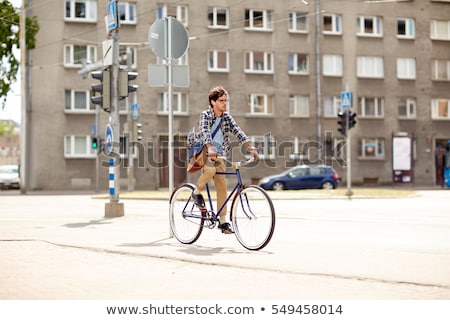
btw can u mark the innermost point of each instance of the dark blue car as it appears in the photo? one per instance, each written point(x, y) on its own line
point(302, 177)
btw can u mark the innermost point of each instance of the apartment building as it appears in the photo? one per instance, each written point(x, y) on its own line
point(285, 64)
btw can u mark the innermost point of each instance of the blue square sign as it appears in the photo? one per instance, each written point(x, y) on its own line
point(112, 15)
point(346, 99)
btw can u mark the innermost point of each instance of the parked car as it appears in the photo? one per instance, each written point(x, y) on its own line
point(9, 177)
point(302, 177)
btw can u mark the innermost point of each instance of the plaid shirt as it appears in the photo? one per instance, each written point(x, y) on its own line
point(207, 118)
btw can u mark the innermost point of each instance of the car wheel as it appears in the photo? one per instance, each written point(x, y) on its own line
point(327, 185)
point(278, 186)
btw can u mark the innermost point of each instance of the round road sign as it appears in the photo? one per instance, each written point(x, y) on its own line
point(158, 37)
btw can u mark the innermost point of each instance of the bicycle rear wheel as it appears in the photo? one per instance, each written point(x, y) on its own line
point(185, 218)
point(253, 217)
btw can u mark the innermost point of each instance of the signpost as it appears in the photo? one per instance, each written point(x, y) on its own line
point(169, 40)
point(346, 102)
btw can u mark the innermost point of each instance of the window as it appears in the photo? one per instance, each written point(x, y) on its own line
point(440, 30)
point(407, 108)
point(298, 22)
point(178, 12)
point(81, 10)
point(265, 145)
point(179, 103)
point(331, 106)
point(369, 26)
point(440, 109)
point(128, 56)
point(258, 62)
point(406, 28)
point(440, 70)
point(371, 148)
point(218, 61)
point(77, 101)
point(406, 68)
point(260, 104)
point(258, 20)
point(370, 67)
point(299, 106)
point(332, 24)
point(332, 65)
point(218, 18)
point(300, 149)
point(127, 12)
point(78, 147)
point(76, 55)
point(371, 107)
point(298, 63)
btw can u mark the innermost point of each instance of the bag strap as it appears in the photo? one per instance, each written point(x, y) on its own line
point(217, 128)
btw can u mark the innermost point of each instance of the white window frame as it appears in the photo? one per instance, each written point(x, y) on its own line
point(294, 67)
point(370, 67)
point(88, 106)
point(435, 26)
point(213, 61)
point(267, 62)
point(440, 70)
point(377, 26)
point(91, 11)
point(264, 109)
point(127, 52)
point(214, 12)
point(298, 106)
point(376, 144)
point(332, 65)
point(267, 23)
point(180, 103)
point(181, 12)
point(300, 149)
point(409, 105)
point(406, 68)
point(410, 28)
point(336, 24)
point(440, 109)
point(378, 105)
point(331, 106)
point(295, 25)
point(266, 146)
point(130, 12)
point(70, 147)
point(69, 61)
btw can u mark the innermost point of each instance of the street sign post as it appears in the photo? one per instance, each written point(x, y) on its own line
point(109, 139)
point(112, 15)
point(346, 99)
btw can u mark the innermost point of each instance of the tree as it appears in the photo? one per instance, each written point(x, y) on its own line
point(9, 42)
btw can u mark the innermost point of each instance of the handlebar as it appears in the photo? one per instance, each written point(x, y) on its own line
point(241, 163)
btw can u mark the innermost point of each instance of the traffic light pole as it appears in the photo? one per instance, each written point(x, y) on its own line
point(114, 208)
point(349, 191)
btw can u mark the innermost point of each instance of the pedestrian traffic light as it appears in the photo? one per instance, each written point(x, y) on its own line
point(124, 83)
point(342, 122)
point(351, 119)
point(94, 142)
point(104, 88)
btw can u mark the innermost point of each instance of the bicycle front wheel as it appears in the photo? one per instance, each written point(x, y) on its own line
point(253, 217)
point(185, 218)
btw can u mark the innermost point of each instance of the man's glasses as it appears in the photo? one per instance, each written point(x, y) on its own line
point(223, 100)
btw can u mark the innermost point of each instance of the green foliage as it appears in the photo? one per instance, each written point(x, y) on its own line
point(9, 42)
point(6, 129)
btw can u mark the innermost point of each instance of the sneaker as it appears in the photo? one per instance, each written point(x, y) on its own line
point(198, 200)
point(225, 228)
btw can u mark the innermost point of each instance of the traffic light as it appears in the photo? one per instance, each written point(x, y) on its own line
point(351, 119)
point(138, 131)
point(342, 122)
point(94, 142)
point(124, 83)
point(104, 88)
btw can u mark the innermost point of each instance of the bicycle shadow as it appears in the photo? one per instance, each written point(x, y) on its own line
point(86, 224)
point(194, 249)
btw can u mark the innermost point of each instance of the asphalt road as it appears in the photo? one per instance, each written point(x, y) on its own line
point(62, 247)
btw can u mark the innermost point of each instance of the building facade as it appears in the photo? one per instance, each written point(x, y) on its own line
point(285, 65)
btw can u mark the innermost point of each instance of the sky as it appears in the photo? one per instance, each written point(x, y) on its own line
point(12, 109)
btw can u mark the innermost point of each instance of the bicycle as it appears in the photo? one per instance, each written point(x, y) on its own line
point(252, 213)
